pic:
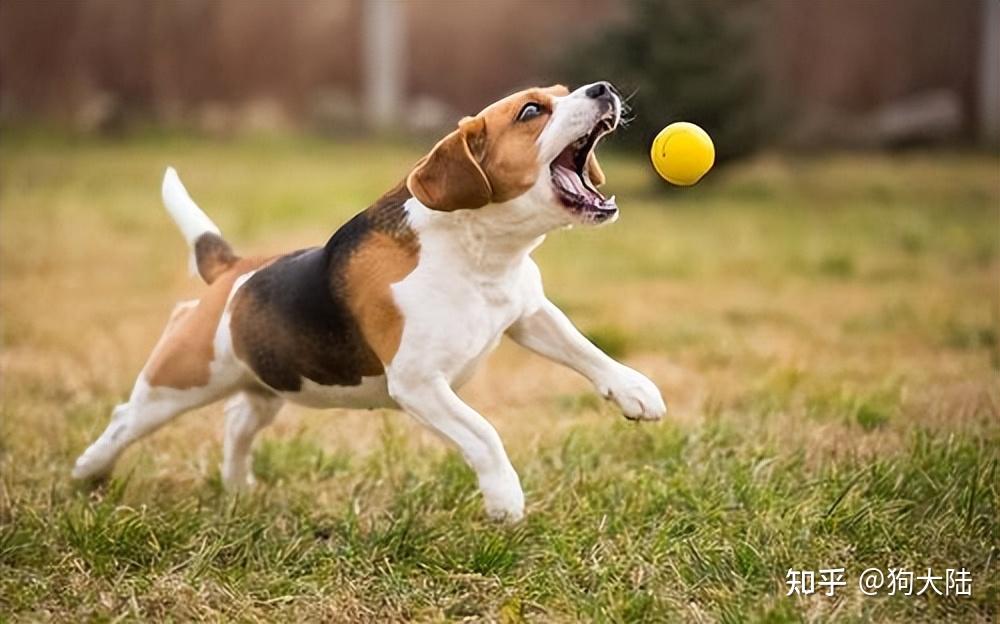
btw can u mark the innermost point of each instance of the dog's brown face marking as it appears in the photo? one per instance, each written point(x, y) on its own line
point(184, 352)
point(327, 314)
point(490, 158)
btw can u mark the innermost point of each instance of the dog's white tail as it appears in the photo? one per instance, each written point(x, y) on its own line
point(194, 225)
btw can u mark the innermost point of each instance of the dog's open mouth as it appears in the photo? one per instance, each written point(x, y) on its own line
point(572, 182)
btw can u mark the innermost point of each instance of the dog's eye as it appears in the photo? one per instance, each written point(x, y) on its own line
point(530, 111)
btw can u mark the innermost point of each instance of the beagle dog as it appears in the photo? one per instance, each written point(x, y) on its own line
point(402, 303)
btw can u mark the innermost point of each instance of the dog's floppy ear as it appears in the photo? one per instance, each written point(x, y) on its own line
point(450, 178)
point(594, 171)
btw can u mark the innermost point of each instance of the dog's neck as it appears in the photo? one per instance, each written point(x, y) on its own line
point(492, 241)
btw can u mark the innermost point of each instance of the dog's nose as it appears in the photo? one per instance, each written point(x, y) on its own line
point(599, 90)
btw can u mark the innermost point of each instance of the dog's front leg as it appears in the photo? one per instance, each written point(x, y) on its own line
point(548, 332)
point(431, 400)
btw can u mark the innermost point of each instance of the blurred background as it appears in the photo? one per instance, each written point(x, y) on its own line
point(852, 73)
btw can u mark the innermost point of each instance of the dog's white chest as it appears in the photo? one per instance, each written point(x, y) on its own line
point(455, 314)
point(494, 309)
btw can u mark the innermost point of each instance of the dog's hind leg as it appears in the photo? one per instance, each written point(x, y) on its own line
point(148, 409)
point(246, 414)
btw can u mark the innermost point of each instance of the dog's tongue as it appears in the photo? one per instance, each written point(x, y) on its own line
point(567, 177)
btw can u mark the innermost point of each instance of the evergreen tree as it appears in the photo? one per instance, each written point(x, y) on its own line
point(683, 60)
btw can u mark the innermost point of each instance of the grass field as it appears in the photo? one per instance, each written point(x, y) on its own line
point(824, 329)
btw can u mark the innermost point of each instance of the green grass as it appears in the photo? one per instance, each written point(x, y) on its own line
point(824, 330)
point(625, 524)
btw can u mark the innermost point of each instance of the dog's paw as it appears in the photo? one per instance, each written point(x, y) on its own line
point(503, 497)
point(95, 464)
point(507, 512)
point(635, 394)
point(237, 480)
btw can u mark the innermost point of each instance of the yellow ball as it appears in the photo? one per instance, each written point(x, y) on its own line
point(682, 153)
